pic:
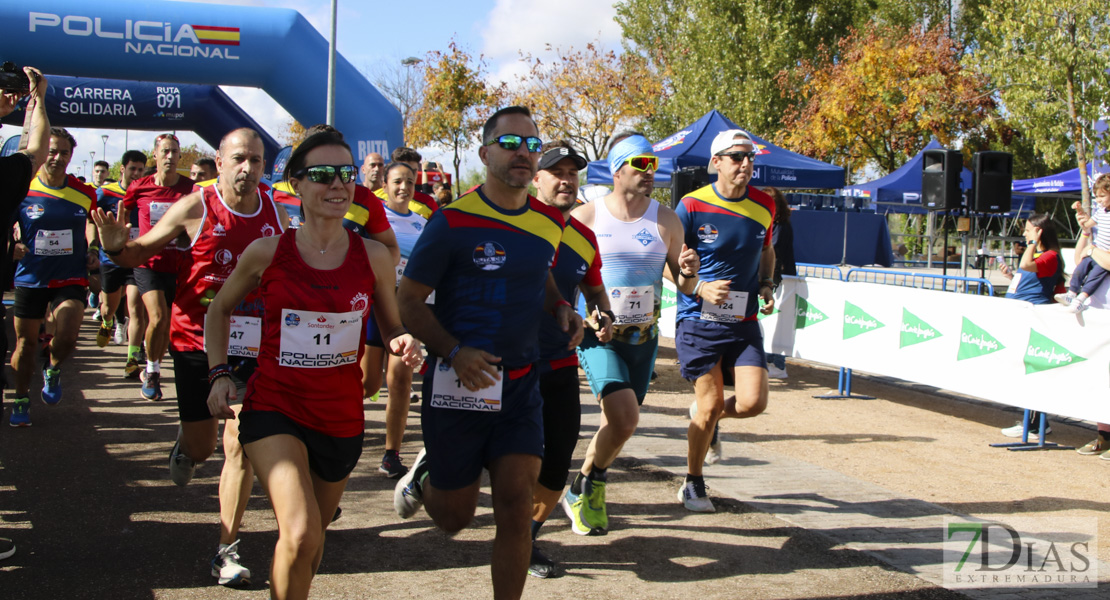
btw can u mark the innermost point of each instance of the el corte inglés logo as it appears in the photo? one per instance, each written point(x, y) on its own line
point(915, 331)
point(806, 314)
point(1043, 354)
point(856, 321)
point(976, 342)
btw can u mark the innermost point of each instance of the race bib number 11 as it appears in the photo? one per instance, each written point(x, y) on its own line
point(317, 340)
point(448, 392)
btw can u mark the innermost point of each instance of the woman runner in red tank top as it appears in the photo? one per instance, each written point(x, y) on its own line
point(301, 424)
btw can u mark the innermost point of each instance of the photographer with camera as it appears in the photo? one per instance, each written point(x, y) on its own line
point(17, 170)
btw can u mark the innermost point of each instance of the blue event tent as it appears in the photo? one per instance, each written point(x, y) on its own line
point(900, 191)
point(689, 147)
point(1060, 184)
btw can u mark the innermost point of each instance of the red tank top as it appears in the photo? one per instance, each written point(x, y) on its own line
point(222, 237)
point(312, 336)
point(152, 201)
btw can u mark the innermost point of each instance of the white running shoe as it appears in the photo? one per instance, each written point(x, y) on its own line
point(695, 497)
point(119, 336)
point(227, 569)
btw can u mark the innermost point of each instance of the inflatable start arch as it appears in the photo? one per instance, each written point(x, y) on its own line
point(180, 42)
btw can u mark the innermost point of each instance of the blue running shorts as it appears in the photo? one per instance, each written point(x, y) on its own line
point(700, 344)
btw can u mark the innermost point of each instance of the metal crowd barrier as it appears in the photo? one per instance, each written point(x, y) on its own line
point(820, 271)
point(927, 281)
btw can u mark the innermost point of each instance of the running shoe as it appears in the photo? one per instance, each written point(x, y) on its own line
point(94, 301)
point(133, 369)
point(1018, 428)
point(103, 335)
point(695, 497)
point(21, 413)
point(119, 333)
point(540, 565)
point(181, 467)
point(51, 385)
point(593, 509)
point(152, 388)
point(776, 372)
point(227, 569)
point(714, 454)
point(572, 505)
point(391, 465)
point(1077, 306)
point(408, 496)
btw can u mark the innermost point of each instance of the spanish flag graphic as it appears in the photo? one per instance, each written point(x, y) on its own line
point(224, 36)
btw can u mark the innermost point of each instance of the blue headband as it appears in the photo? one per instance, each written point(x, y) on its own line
point(626, 149)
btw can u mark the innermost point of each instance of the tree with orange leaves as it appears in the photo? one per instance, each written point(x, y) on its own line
point(888, 92)
point(584, 96)
point(457, 101)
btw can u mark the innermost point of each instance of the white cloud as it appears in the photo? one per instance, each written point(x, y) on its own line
point(528, 26)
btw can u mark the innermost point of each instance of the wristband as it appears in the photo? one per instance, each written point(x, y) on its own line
point(451, 355)
point(561, 302)
point(612, 316)
point(697, 288)
point(1085, 234)
point(218, 371)
point(690, 276)
point(112, 252)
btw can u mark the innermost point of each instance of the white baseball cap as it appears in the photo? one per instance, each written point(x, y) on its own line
point(725, 140)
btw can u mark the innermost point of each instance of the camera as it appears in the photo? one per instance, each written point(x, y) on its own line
point(13, 79)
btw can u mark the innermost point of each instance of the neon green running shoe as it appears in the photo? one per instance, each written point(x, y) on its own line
point(594, 510)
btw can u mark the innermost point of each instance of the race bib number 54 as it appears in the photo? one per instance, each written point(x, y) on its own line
point(317, 340)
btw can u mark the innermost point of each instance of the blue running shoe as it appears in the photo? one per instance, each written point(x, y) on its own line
point(152, 388)
point(51, 385)
point(408, 495)
point(21, 413)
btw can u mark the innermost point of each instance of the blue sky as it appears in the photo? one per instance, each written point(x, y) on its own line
point(371, 32)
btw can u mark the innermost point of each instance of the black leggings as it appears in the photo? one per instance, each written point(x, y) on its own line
point(562, 417)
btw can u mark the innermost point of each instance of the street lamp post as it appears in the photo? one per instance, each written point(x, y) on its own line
point(84, 166)
point(104, 149)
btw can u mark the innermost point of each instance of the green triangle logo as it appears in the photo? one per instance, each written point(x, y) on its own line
point(915, 331)
point(856, 321)
point(1043, 354)
point(669, 298)
point(806, 314)
point(975, 342)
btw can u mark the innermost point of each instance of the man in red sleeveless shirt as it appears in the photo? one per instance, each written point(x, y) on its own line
point(214, 224)
point(156, 277)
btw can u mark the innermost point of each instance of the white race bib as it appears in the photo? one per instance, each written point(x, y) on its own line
point(448, 392)
point(731, 311)
point(54, 243)
point(134, 233)
point(157, 211)
point(317, 340)
point(244, 336)
point(633, 305)
point(401, 269)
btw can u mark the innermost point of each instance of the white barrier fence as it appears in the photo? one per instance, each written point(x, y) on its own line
point(1006, 351)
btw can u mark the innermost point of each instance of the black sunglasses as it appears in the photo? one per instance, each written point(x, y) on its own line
point(511, 141)
point(740, 155)
point(326, 174)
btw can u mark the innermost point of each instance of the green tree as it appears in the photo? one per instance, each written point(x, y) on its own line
point(1048, 60)
point(725, 55)
point(457, 100)
point(584, 96)
point(879, 97)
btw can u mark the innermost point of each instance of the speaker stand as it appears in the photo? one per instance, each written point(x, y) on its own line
point(844, 388)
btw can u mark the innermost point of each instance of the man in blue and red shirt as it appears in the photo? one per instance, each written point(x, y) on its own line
point(728, 223)
point(55, 229)
point(488, 257)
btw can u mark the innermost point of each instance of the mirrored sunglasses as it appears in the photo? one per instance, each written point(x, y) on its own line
point(643, 163)
point(511, 141)
point(326, 174)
